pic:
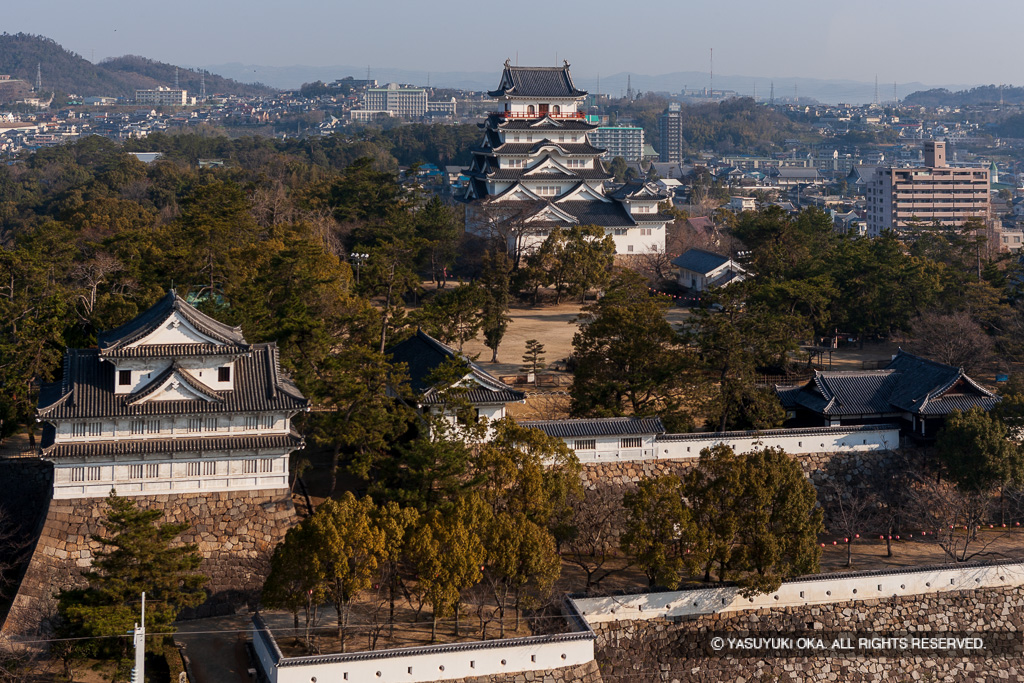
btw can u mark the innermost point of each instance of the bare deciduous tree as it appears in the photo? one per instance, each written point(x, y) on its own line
point(595, 546)
point(955, 339)
point(956, 517)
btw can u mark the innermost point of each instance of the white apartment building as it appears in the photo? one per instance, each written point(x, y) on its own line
point(929, 194)
point(161, 96)
point(619, 141)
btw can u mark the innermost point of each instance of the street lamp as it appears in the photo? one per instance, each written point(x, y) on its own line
point(358, 259)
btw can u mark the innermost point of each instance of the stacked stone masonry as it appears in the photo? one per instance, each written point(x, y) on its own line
point(235, 532)
point(678, 650)
point(584, 673)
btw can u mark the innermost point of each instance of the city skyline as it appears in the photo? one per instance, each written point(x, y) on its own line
point(807, 40)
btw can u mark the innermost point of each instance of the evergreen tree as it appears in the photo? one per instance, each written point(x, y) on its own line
point(655, 519)
point(629, 360)
point(139, 555)
point(496, 282)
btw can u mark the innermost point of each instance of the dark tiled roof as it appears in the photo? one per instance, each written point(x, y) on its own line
point(422, 354)
point(638, 190)
point(476, 397)
point(699, 261)
point(148, 446)
point(87, 390)
point(593, 212)
point(173, 370)
point(112, 342)
point(609, 426)
point(175, 351)
point(530, 148)
point(856, 392)
point(546, 124)
point(523, 174)
point(908, 384)
point(536, 81)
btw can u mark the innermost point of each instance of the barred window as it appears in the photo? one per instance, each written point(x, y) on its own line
point(195, 424)
point(94, 474)
point(95, 428)
point(192, 469)
point(78, 429)
point(267, 422)
point(585, 444)
point(77, 474)
point(153, 427)
point(138, 427)
point(135, 471)
point(211, 424)
point(631, 442)
point(152, 470)
point(266, 464)
point(251, 422)
point(249, 467)
point(210, 467)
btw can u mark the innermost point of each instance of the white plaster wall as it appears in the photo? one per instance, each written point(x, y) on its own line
point(608, 449)
point(839, 588)
point(794, 442)
point(173, 475)
point(418, 666)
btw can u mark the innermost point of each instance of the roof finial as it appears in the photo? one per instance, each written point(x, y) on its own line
point(566, 62)
point(508, 62)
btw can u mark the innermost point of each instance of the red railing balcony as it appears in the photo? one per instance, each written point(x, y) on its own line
point(524, 115)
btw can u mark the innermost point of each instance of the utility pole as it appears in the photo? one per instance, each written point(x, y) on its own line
point(139, 641)
point(39, 77)
point(176, 86)
point(876, 90)
point(771, 97)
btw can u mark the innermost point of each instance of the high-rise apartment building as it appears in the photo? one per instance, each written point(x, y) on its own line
point(670, 128)
point(619, 141)
point(929, 194)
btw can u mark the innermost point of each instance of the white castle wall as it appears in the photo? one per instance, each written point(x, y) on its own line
point(793, 441)
point(186, 472)
point(428, 663)
point(833, 588)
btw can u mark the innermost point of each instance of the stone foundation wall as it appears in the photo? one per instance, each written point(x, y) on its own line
point(659, 649)
point(25, 486)
point(819, 468)
point(235, 531)
point(584, 673)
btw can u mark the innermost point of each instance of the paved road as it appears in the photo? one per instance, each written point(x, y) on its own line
point(216, 648)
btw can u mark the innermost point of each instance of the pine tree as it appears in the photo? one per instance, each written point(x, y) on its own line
point(533, 359)
point(496, 281)
point(138, 556)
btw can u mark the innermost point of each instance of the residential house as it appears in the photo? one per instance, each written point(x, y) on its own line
point(701, 270)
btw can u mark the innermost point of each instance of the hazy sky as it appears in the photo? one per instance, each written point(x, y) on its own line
point(933, 41)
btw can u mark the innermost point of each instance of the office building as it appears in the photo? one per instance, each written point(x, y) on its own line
point(400, 100)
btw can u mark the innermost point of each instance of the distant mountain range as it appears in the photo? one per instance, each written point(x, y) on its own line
point(66, 72)
point(828, 91)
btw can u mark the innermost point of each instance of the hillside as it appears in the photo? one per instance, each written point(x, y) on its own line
point(66, 72)
point(985, 94)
